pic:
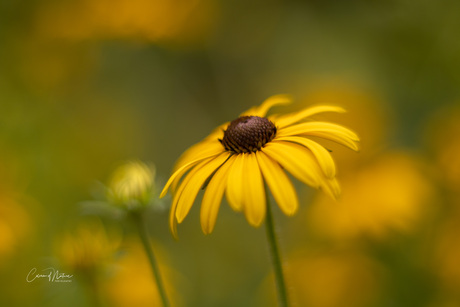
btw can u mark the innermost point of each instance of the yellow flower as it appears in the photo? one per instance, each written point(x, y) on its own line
point(390, 193)
point(15, 227)
point(172, 22)
point(239, 157)
point(132, 184)
point(88, 248)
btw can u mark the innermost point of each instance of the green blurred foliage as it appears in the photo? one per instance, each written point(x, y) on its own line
point(87, 84)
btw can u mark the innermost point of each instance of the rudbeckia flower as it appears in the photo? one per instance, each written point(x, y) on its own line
point(252, 152)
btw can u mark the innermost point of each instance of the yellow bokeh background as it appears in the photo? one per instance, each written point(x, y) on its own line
point(86, 85)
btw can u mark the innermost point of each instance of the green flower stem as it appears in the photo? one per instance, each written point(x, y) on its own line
point(276, 258)
point(139, 221)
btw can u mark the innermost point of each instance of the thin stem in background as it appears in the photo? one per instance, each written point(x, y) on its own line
point(139, 221)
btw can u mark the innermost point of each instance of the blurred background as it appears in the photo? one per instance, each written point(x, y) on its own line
point(88, 84)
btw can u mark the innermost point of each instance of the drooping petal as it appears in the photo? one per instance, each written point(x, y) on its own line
point(213, 197)
point(331, 187)
point(193, 186)
point(235, 183)
point(333, 132)
point(175, 177)
point(296, 160)
point(289, 119)
point(321, 154)
point(270, 102)
point(281, 187)
point(210, 144)
point(172, 219)
point(338, 138)
point(305, 128)
point(178, 193)
point(254, 201)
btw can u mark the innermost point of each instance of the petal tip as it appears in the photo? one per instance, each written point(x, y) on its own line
point(256, 224)
point(206, 231)
point(173, 229)
point(292, 212)
point(163, 192)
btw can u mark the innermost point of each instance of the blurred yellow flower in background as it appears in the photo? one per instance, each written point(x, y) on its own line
point(392, 192)
point(131, 281)
point(87, 83)
point(239, 157)
point(16, 217)
point(446, 264)
point(88, 249)
point(132, 185)
point(334, 278)
point(15, 227)
point(169, 22)
point(445, 143)
point(367, 113)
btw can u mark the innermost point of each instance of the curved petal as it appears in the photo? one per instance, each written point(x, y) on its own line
point(205, 147)
point(324, 130)
point(289, 119)
point(338, 138)
point(193, 186)
point(213, 197)
point(254, 202)
point(209, 144)
point(208, 147)
point(321, 154)
point(270, 102)
point(331, 187)
point(218, 132)
point(175, 177)
point(177, 194)
point(279, 184)
point(305, 128)
point(296, 160)
point(235, 179)
point(173, 222)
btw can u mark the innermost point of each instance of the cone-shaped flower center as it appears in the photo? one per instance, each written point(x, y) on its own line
point(248, 134)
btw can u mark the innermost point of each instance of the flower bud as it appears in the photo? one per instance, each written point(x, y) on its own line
point(132, 185)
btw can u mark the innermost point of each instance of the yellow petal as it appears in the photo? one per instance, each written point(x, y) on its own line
point(325, 130)
point(305, 128)
point(289, 119)
point(254, 203)
point(296, 160)
point(270, 102)
point(172, 217)
point(217, 133)
point(194, 185)
point(209, 143)
point(213, 197)
point(209, 146)
point(321, 154)
point(281, 187)
point(177, 195)
point(331, 187)
point(183, 169)
point(205, 147)
point(338, 138)
point(235, 179)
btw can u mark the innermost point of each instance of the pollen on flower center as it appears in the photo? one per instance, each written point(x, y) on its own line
point(248, 134)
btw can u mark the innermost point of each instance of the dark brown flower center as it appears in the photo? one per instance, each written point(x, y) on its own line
point(248, 134)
